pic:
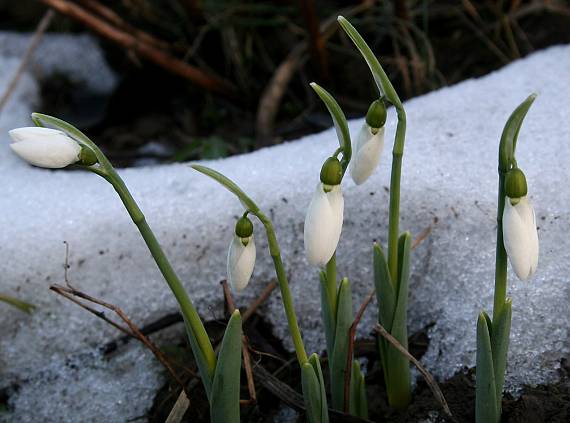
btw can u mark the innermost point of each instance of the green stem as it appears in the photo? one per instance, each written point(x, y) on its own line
point(284, 287)
point(501, 255)
point(189, 312)
point(330, 271)
point(394, 216)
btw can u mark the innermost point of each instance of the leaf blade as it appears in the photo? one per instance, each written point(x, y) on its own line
point(224, 397)
point(485, 397)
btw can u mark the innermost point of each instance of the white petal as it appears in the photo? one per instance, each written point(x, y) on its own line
point(323, 225)
point(366, 154)
point(520, 237)
point(240, 264)
point(45, 147)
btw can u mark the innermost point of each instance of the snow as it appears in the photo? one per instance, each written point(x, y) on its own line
point(449, 183)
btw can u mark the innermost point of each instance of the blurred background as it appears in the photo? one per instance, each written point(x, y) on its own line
point(213, 78)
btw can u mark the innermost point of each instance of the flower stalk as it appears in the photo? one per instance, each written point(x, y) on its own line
point(391, 274)
point(493, 334)
point(220, 375)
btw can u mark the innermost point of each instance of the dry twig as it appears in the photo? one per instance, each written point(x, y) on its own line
point(428, 377)
point(141, 46)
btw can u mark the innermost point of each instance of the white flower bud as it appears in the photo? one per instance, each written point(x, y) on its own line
point(241, 260)
point(367, 150)
point(323, 224)
point(520, 236)
point(45, 147)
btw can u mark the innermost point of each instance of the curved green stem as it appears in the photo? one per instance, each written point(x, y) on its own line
point(106, 170)
point(284, 287)
point(273, 250)
point(187, 307)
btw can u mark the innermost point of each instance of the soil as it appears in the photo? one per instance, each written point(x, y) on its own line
point(537, 404)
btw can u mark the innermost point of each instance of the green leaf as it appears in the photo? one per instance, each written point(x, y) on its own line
point(224, 398)
point(312, 393)
point(500, 347)
point(338, 359)
point(19, 304)
point(485, 391)
point(201, 361)
point(398, 367)
point(339, 121)
point(510, 134)
point(229, 184)
point(327, 313)
point(380, 78)
point(384, 289)
point(316, 363)
point(358, 400)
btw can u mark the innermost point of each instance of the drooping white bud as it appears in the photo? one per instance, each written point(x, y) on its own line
point(45, 147)
point(520, 236)
point(241, 261)
point(367, 150)
point(323, 224)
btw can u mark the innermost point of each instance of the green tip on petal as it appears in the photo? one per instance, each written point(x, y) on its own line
point(244, 227)
point(376, 116)
point(515, 183)
point(331, 172)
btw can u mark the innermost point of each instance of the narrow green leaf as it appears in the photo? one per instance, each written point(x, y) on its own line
point(339, 121)
point(224, 398)
point(316, 363)
point(338, 360)
point(500, 347)
point(311, 393)
point(201, 361)
point(485, 391)
point(229, 184)
point(358, 400)
point(19, 304)
point(510, 133)
point(384, 289)
point(327, 314)
point(398, 366)
point(380, 78)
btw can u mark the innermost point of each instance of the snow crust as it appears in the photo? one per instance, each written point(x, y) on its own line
point(449, 183)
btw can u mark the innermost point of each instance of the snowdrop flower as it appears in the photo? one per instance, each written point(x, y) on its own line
point(520, 235)
point(45, 147)
point(369, 143)
point(323, 222)
point(241, 255)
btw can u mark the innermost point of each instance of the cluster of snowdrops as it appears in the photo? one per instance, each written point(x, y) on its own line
point(54, 143)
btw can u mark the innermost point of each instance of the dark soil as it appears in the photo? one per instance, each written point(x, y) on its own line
point(538, 404)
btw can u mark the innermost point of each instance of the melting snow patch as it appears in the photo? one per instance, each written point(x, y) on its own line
point(449, 182)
